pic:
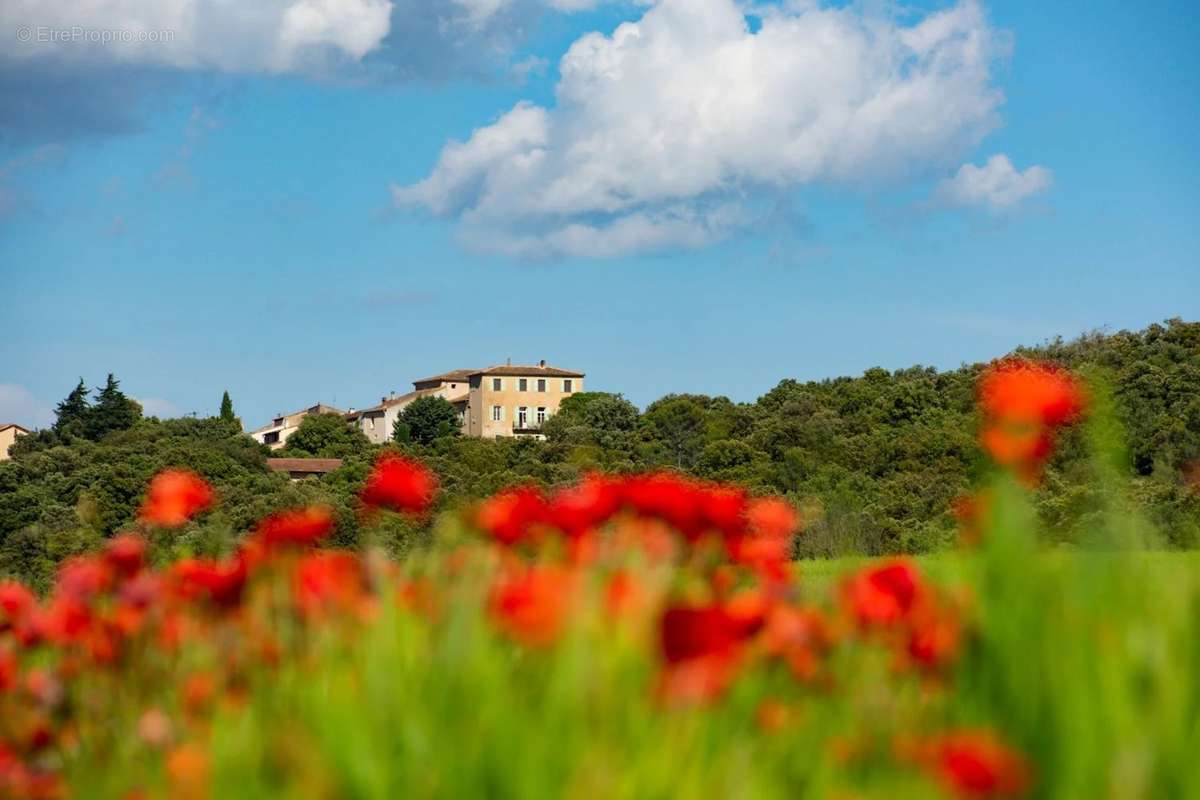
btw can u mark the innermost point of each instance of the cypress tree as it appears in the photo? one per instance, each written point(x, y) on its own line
point(73, 408)
point(113, 411)
point(227, 408)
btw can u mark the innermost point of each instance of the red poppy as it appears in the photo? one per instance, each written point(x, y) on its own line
point(701, 647)
point(8, 670)
point(933, 641)
point(1020, 390)
point(723, 508)
point(222, 582)
point(299, 527)
point(668, 497)
point(16, 601)
point(512, 515)
point(884, 594)
point(977, 764)
point(125, 554)
point(83, 577)
point(174, 497)
point(1024, 402)
point(400, 484)
point(1020, 447)
point(329, 580)
point(799, 637)
point(531, 604)
point(767, 544)
point(587, 505)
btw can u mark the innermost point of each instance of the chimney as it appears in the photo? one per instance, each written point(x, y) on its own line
point(508, 361)
point(542, 363)
point(383, 399)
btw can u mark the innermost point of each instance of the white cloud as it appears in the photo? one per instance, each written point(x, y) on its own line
point(686, 110)
point(228, 35)
point(996, 186)
point(17, 404)
point(158, 407)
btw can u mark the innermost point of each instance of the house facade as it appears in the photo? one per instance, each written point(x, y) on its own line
point(505, 400)
point(515, 400)
point(276, 434)
point(377, 422)
point(8, 435)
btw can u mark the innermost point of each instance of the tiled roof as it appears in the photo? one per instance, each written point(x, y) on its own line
point(402, 399)
point(314, 465)
point(529, 371)
point(8, 425)
point(453, 376)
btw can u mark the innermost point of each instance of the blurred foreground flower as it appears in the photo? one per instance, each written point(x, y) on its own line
point(1024, 402)
point(175, 496)
point(400, 484)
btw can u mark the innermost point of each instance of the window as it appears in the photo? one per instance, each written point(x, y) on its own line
point(271, 438)
point(497, 384)
point(497, 413)
point(522, 417)
point(541, 384)
point(568, 385)
point(541, 415)
point(523, 385)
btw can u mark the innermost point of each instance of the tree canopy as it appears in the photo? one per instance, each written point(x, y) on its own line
point(874, 462)
point(426, 419)
point(325, 436)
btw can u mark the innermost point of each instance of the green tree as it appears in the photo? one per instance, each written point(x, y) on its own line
point(426, 419)
point(227, 409)
point(677, 423)
point(593, 418)
point(112, 411)
point(325, 436)
point(72, 412)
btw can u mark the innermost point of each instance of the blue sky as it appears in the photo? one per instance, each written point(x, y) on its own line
point(711, 199)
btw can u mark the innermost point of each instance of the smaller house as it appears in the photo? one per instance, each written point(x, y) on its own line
point(277, 432)
point(377, 422)
point(301, 468)
point(8, 436)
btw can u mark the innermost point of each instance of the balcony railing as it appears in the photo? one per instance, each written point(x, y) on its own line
point(527, 425)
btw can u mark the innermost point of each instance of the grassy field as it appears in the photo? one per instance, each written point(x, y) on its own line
point(1083, 663)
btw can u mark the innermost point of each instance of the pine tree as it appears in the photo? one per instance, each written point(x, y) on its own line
point(74, 408)
point(113, 411)
point(227, 408)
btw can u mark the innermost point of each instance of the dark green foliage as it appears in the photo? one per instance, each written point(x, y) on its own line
point(874, 463)
point(426, 419)
point(112, 411)
point(325, 436)
point(71, 413)
point(227, 414)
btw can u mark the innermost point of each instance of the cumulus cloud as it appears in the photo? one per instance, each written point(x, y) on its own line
point(996, 186)
point(58, 86)
point(18, 404)
point(664, 131)
point(224, 35)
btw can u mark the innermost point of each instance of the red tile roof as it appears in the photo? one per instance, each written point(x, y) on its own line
point(313, 465)
point(529, 371)
point(453, 376)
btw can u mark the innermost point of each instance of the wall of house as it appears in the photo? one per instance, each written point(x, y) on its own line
point(7, 437)
point(510, 398)
point(374, 426)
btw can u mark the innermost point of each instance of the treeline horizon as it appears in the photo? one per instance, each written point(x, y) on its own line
point(875, 463)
